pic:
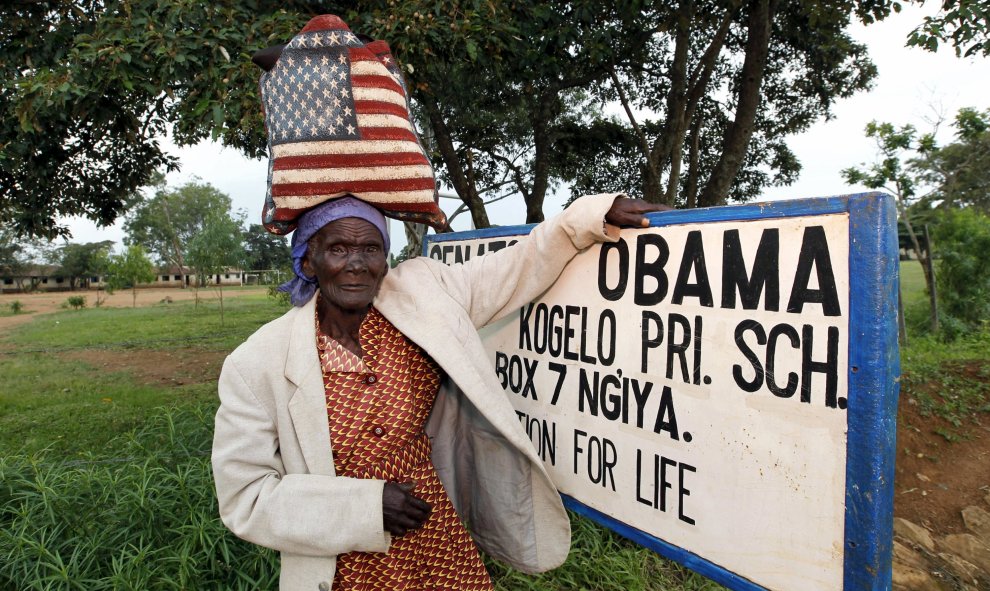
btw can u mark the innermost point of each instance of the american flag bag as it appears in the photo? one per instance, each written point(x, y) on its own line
point(337, 115)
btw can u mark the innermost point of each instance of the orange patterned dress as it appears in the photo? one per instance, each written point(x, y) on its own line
point(377, 407)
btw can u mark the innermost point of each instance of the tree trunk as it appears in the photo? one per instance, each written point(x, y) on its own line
point(541, 117)
point(691, 189)
point(933, 291)
point(220, 289)
point(445, 144)
point(134, 297)
point(747, 104)
point(922, 260)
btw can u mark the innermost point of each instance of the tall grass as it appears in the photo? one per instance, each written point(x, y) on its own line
point(145, 520)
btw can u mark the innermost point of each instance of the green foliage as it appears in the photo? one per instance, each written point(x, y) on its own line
point(502, 89)
point(80, 261)
point(965, 24)
point(165, 224)
point(950, 380)
point(218, 245)
point(144, 519)
point(84, 103)
point(16, 307)
point(264, 250)
point(962, 241)
point(129, 269)
point(76, 302)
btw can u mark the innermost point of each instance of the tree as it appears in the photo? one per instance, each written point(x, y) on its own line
point(502, 90)
point(893, 173)
point(264, 250)
point(166, 223)
point(128, 269)
point(80, 261)
point(958, 174)
point(963, 23)
point(12, 255)
point(216, 248)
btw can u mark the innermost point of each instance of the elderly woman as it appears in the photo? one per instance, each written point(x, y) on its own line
point(362, 433)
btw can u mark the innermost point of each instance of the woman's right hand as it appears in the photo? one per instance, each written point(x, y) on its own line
point(403, 511)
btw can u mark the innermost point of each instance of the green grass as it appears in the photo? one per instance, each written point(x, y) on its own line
point(912, 283)
point(947, 379)
point(164, 326)
point(71, 407)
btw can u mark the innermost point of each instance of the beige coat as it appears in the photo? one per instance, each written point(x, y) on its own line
point(271, 451)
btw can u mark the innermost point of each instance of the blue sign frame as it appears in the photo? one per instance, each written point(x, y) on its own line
point(874, 368)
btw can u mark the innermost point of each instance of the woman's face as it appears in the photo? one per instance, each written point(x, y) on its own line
point(348, 259)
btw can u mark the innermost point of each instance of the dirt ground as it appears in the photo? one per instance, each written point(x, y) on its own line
point(935, 478)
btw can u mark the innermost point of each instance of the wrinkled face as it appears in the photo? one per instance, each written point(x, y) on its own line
point(347, 257)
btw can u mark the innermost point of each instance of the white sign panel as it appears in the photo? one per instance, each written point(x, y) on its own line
point(691, 382)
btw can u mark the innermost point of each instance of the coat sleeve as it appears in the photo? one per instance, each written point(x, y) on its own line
point(307, 514)
point(497, 284)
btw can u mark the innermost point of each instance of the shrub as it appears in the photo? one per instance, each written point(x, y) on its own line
point(962, 241)
point(76, 302)
point(147, 520)
point(16, 307)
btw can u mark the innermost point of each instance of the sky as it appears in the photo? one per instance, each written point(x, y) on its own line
point(913, 86)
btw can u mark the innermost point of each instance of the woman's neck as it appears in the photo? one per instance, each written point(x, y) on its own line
point(343, 326)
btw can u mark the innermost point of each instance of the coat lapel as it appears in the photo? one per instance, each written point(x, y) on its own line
point(307, 406)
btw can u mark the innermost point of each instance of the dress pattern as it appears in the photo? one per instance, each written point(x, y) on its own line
point(377, 407)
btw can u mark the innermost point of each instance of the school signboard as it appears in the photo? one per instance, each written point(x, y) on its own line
point(720, 387)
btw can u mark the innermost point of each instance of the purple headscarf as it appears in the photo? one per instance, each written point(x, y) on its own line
point(301, 288)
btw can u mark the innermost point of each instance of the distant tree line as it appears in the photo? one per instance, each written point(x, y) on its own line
point(190, 227)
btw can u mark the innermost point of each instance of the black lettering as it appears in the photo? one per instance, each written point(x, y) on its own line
point(792, 378)
point(613, 293)
point(683, 492)
point(515, 374)
point(541, 328)
point(556, 337)
point(588, 392)
point(766, 271)
point(530, 374)
point(611, 403)
point(664, 483)
point(652, 269)
point(666, 417)
point(814, 253)
point(561, 371)
point(447, 249)
point(525, 339)
point(585, 358)
point(569, 332)
point(641, 397)
point(829, 367)
point(678, 348)
point(650, 318)
point(761, 339)
point(501, 365)
point(694, 258)
point(496, 246)
point(608, 358)
point(435, 253)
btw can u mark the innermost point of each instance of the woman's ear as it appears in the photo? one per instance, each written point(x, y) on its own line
point(306, 267)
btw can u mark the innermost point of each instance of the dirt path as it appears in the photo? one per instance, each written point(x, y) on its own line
point(44, 302)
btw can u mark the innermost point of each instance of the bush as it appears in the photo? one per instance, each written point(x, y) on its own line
point(147, 520)
point(16, 307)
point(962, 241)
point(76, 302)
